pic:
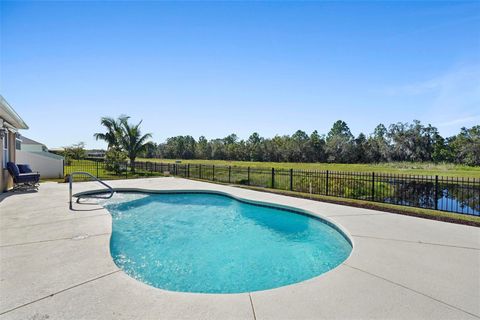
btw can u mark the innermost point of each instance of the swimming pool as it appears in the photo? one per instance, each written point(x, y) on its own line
point(212, 243)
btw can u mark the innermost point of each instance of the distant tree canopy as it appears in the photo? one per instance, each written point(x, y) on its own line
point(397, 142)
point(75, 151)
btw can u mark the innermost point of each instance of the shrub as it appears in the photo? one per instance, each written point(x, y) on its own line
point(115, 160)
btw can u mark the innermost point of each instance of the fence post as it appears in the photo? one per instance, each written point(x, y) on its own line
point(176, 170)
point(188, 170)
point(229, 174)
point(326, 185)
point(126, 170)
point(97, 167)
point(248, 176)
point(213, 172)
point(291, 179)
point(436, 193)
point(200, 172)
point(373, 186)
point(273, 178)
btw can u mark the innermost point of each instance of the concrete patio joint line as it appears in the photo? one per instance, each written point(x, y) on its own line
point(417, 242)
point(251, 304)
point(58, 292)
point(413, 290)
point(46, 208)
point(53, 222)
point(51, 240)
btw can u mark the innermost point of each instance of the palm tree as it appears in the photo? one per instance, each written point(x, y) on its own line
point(114, 130)
point(132, 141)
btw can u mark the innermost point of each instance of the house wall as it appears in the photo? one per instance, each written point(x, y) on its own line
point(6, 181)
point(2, 173)
point(12, 156)
point(48, 166)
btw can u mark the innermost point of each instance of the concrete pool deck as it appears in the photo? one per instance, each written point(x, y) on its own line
point(55, 264)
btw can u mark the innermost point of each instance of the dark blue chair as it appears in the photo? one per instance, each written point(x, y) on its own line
point(24, 168)
point(23, 177)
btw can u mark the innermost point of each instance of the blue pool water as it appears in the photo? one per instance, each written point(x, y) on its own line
point(211, 243)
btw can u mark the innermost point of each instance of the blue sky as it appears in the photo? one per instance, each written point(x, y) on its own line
point(213, 68)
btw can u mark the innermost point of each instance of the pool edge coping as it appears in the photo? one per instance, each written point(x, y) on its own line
point(333, 224)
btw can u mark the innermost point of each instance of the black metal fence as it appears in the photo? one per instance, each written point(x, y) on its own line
point(458, 195)
point(119, 170)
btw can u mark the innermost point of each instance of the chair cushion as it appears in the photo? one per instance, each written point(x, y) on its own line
point(24, 168)
point(13, 169)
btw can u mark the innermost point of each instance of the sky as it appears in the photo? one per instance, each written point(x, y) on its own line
point(215, 68)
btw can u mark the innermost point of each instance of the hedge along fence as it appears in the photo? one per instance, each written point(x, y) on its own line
point(458, 195)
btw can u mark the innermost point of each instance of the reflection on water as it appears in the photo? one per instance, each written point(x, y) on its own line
point(450, 197)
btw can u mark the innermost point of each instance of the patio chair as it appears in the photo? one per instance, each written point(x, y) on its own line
point(24, 168)
point(23, 178)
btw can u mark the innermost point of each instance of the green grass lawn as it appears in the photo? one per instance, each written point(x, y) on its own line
point(101, 172)
point(429, 169)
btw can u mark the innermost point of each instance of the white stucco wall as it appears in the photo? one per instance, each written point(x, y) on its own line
point(48, 167)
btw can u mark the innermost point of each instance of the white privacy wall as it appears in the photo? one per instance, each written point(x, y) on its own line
point(48, 167)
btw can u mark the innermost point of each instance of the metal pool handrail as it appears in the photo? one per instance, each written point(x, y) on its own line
point(70, 181)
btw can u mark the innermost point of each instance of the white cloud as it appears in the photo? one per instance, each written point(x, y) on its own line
point(454, 83)
point(448, 100)
point(460, 121)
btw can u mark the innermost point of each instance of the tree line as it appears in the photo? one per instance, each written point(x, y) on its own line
point(398, 142)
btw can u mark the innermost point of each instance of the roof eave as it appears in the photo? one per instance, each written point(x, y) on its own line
point(11, 116)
